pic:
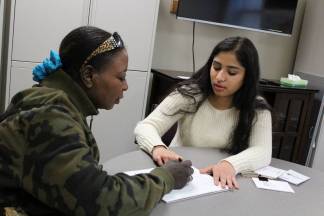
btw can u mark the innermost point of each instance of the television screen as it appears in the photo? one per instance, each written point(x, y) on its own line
point(276, 16)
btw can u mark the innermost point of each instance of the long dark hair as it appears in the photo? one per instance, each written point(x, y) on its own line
point(77, 45)
point(245, 99)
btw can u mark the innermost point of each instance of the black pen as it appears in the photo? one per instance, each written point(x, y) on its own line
point(262, 178)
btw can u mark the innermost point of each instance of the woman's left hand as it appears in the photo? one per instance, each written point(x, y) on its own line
point(223, 173)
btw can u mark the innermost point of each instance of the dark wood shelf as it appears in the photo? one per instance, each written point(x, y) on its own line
point(291, 112)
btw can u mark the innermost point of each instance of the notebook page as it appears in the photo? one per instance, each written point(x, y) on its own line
point(201, 184)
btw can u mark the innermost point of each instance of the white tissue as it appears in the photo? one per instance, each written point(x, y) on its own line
point(293, 77)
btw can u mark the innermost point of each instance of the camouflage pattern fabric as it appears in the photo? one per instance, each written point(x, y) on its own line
point(49, 158)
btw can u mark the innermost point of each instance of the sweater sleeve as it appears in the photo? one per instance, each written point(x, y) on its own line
point(259, 152)
point(60, 171)
point(148, 132)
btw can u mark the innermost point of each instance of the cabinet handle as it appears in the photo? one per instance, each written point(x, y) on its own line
point(310, 132)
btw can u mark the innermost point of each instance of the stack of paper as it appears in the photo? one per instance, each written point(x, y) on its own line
point(290, 176)
point(201, 184)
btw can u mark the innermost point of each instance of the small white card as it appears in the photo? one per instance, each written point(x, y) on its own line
point(294, 177)
point(273, 185)
point(270, 172)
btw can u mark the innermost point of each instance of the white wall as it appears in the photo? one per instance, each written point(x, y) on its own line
point(318, 141)
point(318, 158)
point(309, 64)
point(172, 49)
point(310, 54)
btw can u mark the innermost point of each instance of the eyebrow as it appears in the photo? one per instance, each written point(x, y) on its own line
point(234, 67)
point(228, 66)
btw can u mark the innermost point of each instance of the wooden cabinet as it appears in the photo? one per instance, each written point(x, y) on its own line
point(291, 111)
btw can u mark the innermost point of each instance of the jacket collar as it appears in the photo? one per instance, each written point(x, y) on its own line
point(61, 80)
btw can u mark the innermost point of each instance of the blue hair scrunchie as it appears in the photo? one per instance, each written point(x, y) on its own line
point(48, 66)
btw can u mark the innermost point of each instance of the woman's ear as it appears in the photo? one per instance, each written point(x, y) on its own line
point(86, 75)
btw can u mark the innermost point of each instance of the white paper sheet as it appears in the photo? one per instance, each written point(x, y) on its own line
point(294, 177)
point(273, 185)
point(201, 184)
point(135, 172)
point(270, 172)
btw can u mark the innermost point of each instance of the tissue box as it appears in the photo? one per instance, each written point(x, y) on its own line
point(293, 83)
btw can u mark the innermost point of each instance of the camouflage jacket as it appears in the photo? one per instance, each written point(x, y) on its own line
point(49, 158)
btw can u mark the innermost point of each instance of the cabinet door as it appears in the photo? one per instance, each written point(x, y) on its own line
point(20, 78)
point(289, 124)
point(41, 25)
point(113, 129)
point(135, 21)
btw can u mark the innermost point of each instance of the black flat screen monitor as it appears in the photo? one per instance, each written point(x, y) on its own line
point(275, 16)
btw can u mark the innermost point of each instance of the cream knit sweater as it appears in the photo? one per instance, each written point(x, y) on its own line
point(208, 127)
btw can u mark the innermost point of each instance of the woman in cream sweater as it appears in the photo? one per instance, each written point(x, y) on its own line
point(217, 107)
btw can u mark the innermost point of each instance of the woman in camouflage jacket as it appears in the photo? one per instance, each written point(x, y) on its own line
point(48, 155)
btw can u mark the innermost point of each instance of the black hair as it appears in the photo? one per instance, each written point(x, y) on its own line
point(77, 45)
point(245, 99)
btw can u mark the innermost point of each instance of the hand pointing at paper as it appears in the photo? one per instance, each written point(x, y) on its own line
point(162, 154)
point(223, 173)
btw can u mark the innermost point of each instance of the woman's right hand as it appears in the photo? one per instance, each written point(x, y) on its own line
point(161, 155)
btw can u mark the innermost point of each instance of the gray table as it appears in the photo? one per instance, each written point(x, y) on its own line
point(308, 198)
